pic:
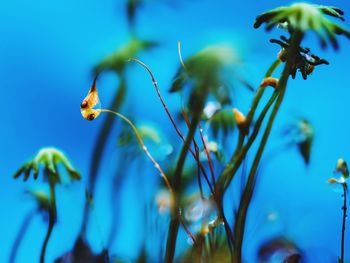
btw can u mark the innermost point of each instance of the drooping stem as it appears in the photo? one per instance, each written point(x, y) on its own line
point(21, 233)
point(52, 217)
point(248, 191)
point(177, 184)
point(99, 149)
point(143, 146)
point(343, 223)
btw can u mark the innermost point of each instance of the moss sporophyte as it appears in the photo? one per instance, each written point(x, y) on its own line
point(199, 78)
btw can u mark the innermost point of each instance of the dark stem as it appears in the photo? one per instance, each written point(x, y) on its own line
point(174, 222)
point(52, 218)
point(343, 223)
point(248, 191)
point(21, 233)
point(115, 200)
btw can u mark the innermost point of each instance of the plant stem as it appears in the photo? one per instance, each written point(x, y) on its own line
point(343, 223)
point(248, 191)
point(99, 149)
point(174, 222)
point(21, 233)
point(52, 217)
point(230, 170)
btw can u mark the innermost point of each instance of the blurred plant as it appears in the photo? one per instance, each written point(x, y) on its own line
point(301, 134)
point(218, 119)
point(200, 76)
point(42, 207)
point(49, 158)
point(298, 19)
point(279, 249)
point(342, 168)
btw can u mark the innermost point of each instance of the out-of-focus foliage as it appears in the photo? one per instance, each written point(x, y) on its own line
point(49, 158)
point(279, 249)
point(118, 60)
point(301, 134)
point(203, 75)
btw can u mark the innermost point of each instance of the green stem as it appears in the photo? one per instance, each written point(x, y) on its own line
point(175, 221)
point(52, 218)
point(248, 191)
point(230, 170)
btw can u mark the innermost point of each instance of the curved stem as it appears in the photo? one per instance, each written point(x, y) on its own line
point(248, 191)
point(343, 223)
point(143, 146)
point(99, 149)
point(193, 153)
point(21, 233)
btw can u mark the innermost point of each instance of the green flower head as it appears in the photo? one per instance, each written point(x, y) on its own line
point(303, 17)
point(49, 158)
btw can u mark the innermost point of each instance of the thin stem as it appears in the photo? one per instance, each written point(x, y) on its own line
point(211, 166)
point(21, 233)
point(52, 218)
point(177, 184)
point(196, 148)
point(143, 146)
point(99, 148)
point(188, 231)
point(343, 223)
point(155, 84)
point(248, 191)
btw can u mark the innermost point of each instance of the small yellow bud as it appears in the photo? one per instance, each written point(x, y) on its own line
point(239, 117)
point(332, 181)
point(269, 81)
point(241, 120)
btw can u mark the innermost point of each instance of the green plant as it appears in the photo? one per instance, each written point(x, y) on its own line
point(342, 168)
point(43, 206)
point(49, 159)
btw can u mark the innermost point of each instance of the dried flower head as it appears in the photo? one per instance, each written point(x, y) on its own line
point(305, 61)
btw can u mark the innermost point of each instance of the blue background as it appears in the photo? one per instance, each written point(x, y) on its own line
point(47, 52)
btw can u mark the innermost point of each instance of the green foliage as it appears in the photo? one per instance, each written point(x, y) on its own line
point(49, 158)
point(303, 17)
point(42, 200)
point(118, 60)
point(222, 121)
point(203, 76)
